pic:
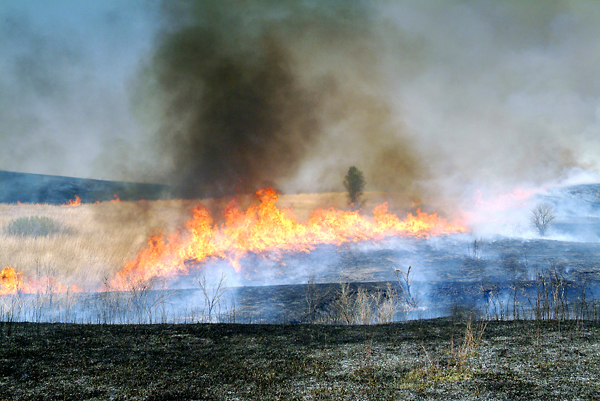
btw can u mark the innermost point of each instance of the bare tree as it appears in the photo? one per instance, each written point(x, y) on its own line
point(315, 295)
point(542, 216)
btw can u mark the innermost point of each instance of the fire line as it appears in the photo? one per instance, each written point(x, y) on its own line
point(265, 229)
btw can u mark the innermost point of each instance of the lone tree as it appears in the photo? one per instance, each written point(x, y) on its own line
point(542, 216)
point(354, 182)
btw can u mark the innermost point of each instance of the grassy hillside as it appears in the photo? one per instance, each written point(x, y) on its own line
point(39, 188)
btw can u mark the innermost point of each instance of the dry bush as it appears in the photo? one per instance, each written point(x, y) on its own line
point(364, 308)
point(212, 292)
point(459, 355)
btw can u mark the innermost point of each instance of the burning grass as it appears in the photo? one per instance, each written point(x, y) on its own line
point(94, 240)
point(93, 243)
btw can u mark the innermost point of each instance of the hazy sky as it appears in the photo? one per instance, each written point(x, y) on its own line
point(65, 85)
point(427, 97)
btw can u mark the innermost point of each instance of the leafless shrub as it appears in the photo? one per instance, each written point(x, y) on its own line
point(514, 287)
point(344, 305)
point(212, 293)
point(388, 305)
point(494, 307)
point(582, 306)
point(10, 310)
point(138, 302)
point(110, 305)
point(411, 300)
point(551, 302)
point(476, 249)
point(364, 308)
point(458, 356)
point(457, 359)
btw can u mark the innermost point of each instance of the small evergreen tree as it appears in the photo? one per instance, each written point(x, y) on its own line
point(354, 182)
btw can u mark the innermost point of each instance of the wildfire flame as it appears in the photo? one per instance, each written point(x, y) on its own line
point(73, 202)
point(268, 230)
point(13, 282)
point(10, 281)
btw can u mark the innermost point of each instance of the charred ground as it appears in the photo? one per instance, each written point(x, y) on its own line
point(431, 359)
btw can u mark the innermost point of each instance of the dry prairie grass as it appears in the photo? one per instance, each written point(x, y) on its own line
point(96, 240)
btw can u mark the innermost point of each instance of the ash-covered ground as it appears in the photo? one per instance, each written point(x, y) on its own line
point(504, 278)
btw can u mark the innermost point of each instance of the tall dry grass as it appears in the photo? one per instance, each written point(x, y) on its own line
point(96, 240)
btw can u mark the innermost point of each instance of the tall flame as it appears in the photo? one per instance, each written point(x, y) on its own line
point(266, 229)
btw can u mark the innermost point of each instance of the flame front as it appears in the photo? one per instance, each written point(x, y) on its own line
point(267, 230)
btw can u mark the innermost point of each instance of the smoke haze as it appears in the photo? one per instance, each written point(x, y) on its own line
point(427, 98)
point(64, 86)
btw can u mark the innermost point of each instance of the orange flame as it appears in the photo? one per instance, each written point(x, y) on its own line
point(266, 229)
point(116, 199)
point(13, 282)
point(10, 281)
point(73, 202)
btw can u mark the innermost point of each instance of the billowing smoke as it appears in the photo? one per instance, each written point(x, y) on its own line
point(235, 118)
point(252, 93)
point(432, 99)
point(426, 98)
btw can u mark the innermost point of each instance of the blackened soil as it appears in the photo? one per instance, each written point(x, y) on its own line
point(518, 360)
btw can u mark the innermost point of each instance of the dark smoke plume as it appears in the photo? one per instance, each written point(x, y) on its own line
point(252, 90)
point(246, 121)
point(237, 118)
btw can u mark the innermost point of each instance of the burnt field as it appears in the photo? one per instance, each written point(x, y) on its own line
point(423, 359)
point(501, 279)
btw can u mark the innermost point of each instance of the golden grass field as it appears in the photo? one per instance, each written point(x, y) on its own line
point(96, 240)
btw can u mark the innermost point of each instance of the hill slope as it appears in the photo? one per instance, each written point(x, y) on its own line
point(39, 188)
